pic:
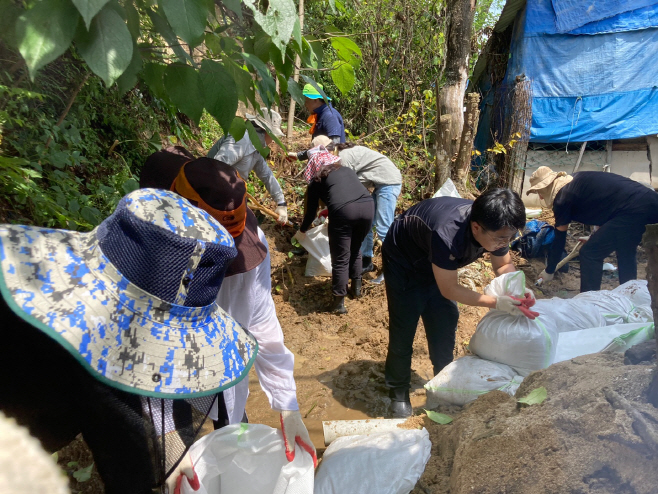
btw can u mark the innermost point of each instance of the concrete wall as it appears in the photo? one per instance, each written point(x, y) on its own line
point(632, 164)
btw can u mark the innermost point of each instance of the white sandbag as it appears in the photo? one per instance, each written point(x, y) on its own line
point(316, 242)
point(523, 344)
point(616, 308)
point(382, 463)
point(615, 338)
point(511, 284)
point(635, 290)
point(466, 378)
point(249, 459)
point(448, 189)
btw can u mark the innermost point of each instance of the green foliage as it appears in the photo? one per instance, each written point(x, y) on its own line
point(536, 397)
point(439, 418)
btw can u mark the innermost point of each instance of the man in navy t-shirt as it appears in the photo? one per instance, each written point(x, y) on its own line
point(424, 248)
point(327, 121)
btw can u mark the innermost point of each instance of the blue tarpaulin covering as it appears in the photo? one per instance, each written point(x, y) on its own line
point(598, 81)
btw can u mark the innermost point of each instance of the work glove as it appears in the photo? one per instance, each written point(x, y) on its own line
point(509, 305)
point(545, 276)
point(282, 211)
point(292, 157)
point(294, 431)
point(300, 236)
point(530, 296)
point(184, 469)
point(526, 302)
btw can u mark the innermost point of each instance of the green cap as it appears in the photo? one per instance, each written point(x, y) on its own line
point(311, 93)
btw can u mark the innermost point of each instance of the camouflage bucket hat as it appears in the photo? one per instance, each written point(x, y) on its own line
point(121, 298)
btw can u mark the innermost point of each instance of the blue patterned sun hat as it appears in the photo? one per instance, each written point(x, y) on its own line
point(133, 300)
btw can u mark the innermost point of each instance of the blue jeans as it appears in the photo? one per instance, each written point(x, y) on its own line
point(386, 198)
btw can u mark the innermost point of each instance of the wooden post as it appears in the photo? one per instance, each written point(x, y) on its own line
point(293, 103)
point(650, 244)
point(471, 118)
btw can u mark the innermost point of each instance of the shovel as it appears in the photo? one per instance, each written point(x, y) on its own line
point(561, 264)
point(259, 207)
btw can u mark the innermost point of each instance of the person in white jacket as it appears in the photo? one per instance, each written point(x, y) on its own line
point(246, 291)
point(244, 157)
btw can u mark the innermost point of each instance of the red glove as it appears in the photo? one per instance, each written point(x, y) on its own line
point(526, 302)
point(184, 469)
point(324, 213)
point(294, 431)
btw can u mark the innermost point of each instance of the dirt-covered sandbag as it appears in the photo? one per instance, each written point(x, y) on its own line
point(635, 290)
point(616, 308)
point(463, 380)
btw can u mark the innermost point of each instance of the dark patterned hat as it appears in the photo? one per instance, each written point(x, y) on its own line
point(134, 299)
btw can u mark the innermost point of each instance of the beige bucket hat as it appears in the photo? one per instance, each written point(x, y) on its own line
point(269, 120)
point(547, 183)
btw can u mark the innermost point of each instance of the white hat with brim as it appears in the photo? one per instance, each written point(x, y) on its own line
point(270, 121)
point(62, 283)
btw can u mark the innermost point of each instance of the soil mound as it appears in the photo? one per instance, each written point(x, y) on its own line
point(581, 439)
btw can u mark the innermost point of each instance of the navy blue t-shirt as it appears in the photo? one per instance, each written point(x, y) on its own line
point(435, 231)
point(329, 123)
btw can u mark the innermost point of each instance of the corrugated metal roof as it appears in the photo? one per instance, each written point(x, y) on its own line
point(508, 14)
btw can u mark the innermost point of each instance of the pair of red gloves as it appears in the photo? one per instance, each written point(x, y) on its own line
point(525, 303)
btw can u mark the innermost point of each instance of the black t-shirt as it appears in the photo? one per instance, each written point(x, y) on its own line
point(435, 231)
point(338, 188)
point(593, 198)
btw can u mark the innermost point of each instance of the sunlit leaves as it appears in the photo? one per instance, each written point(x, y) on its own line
point(107, 47)
point(343, 76)
point(187, 18)
point(183, 86)
point(536, 397)
point(278, 21)
point(220, 93)
point(89, 8)
point(347, 50)
point(45, 32)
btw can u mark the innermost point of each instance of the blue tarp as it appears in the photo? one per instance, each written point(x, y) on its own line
point(594, 86)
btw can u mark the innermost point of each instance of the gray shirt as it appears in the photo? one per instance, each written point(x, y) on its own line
point(244, 157)
point(371, 167)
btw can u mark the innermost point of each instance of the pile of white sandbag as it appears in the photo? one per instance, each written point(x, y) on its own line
point(509, 348)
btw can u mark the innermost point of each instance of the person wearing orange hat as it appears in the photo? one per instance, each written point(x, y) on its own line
point(619, 206)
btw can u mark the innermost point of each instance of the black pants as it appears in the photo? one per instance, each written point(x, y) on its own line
point(347, 228)
point(622, 235)
point(411, 297)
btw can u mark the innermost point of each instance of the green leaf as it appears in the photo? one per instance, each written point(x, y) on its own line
point(439, 418)
point(93, 217)
point(162, 26)
point(220, 93)
point(347, 50)
point(10, 14)
point(128, 79)
point(295, 92)
point(234, 6)
point(244, 83)
point(183, 86)
point(212, 42)
point(132, 19)
point(332, 6)
point(72, 464)
point(343, 76)
point(187, 17)
point(152, 75)
point(278, 21)
point(297, 31)
point(55, 456)
point(318, 50)
point(283, 67)
point(238, 128)
point(536, 397)
point(262, 45)
point(255, 140)
point(45, 32)
point(89, 8)
point(107, 47)
point(266, 85)
point(130, 185)
point(83, 474)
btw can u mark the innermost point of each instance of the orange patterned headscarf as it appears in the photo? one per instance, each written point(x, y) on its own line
point(234, 220)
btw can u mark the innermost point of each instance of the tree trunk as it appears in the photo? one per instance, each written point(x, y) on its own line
point(650, 243)
point(374, 80)
point(291, 108)
point(442, 164)
point(458, 49)
point(463, 163)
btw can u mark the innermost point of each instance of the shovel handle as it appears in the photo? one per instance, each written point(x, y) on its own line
point(258, 206)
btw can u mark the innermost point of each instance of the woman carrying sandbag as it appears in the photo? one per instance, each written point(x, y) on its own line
point(621, 207)
point(350, 215)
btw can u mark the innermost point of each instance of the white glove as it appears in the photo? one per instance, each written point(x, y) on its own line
point(583, 239)
point(509, 305)
point(282, 211)
point(184, 469)
point(300, 236)
point(294, 430)
point(530, 294)
point(545, 276)
point(292, 157)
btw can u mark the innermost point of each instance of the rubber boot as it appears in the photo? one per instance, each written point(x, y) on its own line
point(368, 266)
point(338, 305)
point(355, 289)
point(400, 403)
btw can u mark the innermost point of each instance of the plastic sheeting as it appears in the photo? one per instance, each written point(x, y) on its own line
point(599, 86)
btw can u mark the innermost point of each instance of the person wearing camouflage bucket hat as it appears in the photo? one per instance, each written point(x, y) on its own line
point(99, 326)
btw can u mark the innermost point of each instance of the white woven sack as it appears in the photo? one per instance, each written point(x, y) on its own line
point(249, 459)
point(463, 380)
point(637, 291)
point(382, 463)
point(316, 242)
point(616, 308)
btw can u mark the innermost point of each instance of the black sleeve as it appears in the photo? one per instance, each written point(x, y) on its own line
point(302, 155)
point(312, 203)
point(441, 255)
point(556, 251)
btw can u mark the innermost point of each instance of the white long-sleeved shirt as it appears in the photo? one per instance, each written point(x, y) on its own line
point(247, 297)
point(244, 157)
